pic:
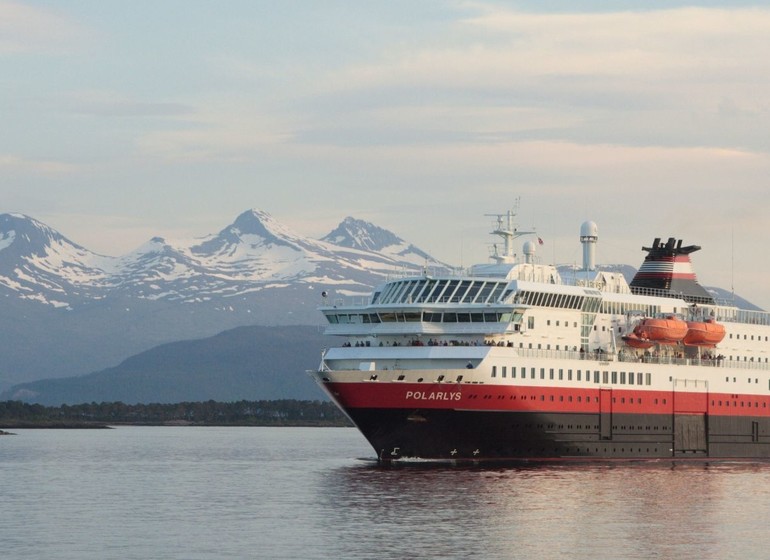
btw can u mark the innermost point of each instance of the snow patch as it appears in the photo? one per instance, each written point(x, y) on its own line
point(7, 239)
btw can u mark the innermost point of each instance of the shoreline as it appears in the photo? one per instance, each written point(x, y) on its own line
point(172, 423)
point(25, 425)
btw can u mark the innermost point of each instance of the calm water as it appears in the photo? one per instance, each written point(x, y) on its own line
point(190, 493)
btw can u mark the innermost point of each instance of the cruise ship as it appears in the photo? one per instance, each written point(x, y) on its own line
point(513, 361)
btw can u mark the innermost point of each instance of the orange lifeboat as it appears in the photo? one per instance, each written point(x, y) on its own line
point(635, 342)
point(704, 333)
point(669, 330)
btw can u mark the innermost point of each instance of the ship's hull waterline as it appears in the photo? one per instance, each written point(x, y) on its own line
point(438, 423)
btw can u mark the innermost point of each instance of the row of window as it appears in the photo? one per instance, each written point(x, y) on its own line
point(426, 290)
point(624, 308)
point(570, 398)
point(418, 316)
point(746, 337)
point(589, 304)
point(604, 377)
point(558, 323)
point(735, 404)
point(746, 359)
point(561, 427)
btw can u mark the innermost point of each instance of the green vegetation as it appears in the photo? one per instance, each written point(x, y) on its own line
point(17, 414)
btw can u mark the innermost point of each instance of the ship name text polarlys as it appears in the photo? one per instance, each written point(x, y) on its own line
point(434, 395)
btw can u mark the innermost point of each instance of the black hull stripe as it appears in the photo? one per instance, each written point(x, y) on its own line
point(485, 436)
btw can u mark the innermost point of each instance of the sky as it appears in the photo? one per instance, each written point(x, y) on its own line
point(127, 120)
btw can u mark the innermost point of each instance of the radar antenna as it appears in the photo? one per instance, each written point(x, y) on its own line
point(507, 229)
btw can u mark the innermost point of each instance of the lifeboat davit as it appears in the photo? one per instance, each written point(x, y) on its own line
point(669, 330)
point(704, 333)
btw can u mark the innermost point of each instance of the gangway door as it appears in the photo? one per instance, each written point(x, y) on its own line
point(690, 417)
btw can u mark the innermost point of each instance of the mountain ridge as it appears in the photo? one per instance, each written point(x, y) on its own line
point(66, 310)
point(40, 264)
point(245, 363)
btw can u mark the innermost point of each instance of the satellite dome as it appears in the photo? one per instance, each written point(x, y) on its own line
point(589, 229)
point(530, 248)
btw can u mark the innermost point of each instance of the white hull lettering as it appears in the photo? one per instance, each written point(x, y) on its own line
point(433, 395)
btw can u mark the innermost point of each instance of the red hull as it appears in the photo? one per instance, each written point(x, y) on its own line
point(512, 398)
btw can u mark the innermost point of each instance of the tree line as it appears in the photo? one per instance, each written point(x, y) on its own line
point(19, 414)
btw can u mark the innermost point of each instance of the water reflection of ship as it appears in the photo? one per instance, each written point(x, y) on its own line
point(645, 510)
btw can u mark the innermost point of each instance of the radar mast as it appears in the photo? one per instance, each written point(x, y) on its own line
point(509, 231)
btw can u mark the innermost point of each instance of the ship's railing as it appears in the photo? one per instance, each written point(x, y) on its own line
point(433, 270)
point(745, 316)
point(353, 302)
point(626, 357)
point(350, 301)
point(658, 292)
point(602, 357)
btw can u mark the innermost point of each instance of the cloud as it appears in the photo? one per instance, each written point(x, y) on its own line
point(620, 96)
point(27, 29)
point(114, 104)
point(612, 69)
point(235, 133)
point(10, 163)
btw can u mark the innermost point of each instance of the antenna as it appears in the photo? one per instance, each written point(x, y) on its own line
point(732, 262)
point(509, 231)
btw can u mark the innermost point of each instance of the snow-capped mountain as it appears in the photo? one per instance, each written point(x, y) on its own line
point(255, 252)
point(365, 236)
point(65, 310)
point(39, 264)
